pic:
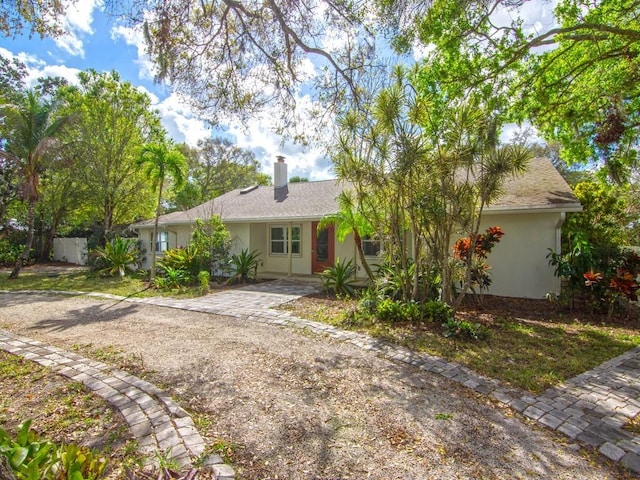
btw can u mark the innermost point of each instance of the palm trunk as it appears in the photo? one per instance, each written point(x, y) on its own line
point(152, 273)
point(363, 259)
point(24, 257)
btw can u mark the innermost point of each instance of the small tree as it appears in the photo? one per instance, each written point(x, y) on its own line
point(211, 240)
point(348, 220)
point(424, 167)
point(160, 162)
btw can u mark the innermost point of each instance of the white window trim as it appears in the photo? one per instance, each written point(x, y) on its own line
point(286, 240)
point(158, 243)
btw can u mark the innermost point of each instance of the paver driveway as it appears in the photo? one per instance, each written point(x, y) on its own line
point(307, 406)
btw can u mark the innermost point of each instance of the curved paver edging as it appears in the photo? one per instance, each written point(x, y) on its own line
point(155, 420)
point(590, 408)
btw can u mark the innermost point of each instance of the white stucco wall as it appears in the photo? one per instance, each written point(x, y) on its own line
point(519, 267)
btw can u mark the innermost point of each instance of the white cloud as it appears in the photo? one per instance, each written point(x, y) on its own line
point(77, 23)
point(135, 37)
point(179, 120)
point(258, 136)
point(37, 68)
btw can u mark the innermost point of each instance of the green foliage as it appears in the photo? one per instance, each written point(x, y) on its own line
point(340, 278)
point(203, 281)
point(189, 260)
point(598, 277)
point(217, 166)
point(464, 329)
point(424, 166)
point(211, 239)
point(9, 251)
point(120, 255)
point(244, 266)
point(113, 120)
point(32, 458)
point(604, 217)
point(436, 311)
point(172, 278)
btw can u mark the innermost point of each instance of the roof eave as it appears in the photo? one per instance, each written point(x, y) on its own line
point(513, 209)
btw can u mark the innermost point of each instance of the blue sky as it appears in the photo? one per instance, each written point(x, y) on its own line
point(98, 41)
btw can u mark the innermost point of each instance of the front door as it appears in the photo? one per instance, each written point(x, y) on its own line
point(322, 244)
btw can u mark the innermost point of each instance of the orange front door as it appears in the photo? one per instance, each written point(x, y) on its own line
point(323, 246)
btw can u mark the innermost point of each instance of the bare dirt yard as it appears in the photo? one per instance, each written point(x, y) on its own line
point(283, 404)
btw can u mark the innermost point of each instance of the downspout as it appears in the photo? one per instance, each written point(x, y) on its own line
point(289, 245)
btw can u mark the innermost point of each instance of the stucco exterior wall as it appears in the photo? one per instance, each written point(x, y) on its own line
point(519, 267)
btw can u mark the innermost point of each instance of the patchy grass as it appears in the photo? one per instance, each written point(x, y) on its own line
point(532, 344)
point(63, 412)
point(88, 281)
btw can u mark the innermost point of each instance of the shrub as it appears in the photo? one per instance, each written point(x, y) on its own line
point(188, 260)
point(172, 278)
point(118, 256)
point(203, 280)
point(9, 252)
point(31, 457)
point(340, 278)
point(436, 311)
point(464, 329)
point(244, 266)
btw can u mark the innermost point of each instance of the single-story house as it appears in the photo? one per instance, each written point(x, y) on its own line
point(280, 222)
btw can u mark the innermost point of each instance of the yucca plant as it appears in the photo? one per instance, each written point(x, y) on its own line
point(244, 266)
point(118, 256)
point(340, 278)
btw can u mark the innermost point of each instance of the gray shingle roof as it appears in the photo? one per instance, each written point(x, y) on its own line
point(540, 188)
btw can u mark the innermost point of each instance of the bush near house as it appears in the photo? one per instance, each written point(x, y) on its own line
point(118, 256)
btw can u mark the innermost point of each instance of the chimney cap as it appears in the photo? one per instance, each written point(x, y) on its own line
point(280, 158)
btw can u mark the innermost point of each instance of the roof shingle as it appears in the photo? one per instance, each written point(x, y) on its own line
point(540, 188)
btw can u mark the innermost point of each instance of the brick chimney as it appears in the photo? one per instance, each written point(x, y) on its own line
point(280, 178)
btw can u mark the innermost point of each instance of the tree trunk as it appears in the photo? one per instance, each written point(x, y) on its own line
point(24, 257)
point(152, 272)
point(363, 259)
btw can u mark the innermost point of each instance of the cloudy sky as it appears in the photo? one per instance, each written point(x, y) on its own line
point(100, 42)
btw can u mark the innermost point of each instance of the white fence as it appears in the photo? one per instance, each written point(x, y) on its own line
point(71, 250)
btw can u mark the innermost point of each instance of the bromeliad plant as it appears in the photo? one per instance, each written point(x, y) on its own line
point(340, 278)
point(244, 266)
point(119, 256)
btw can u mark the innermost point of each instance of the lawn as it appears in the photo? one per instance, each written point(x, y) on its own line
point(88, 281)
point(532, 344)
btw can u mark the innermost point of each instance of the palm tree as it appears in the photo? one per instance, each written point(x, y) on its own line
point(159, 162)
point(31, 142)
point(348, 220)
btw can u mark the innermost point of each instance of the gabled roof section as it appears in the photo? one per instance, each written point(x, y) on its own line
point(541, 188)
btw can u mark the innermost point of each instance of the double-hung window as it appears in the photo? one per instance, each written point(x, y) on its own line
point(279, 241)
point(162, 242)
point(370, 246)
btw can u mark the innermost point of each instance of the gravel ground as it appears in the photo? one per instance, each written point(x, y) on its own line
point(298, 406)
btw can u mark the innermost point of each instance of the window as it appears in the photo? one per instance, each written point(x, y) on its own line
point(162, 242)
point(370, 246)
point(280, 240)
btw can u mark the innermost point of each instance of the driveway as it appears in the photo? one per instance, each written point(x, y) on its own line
point(299, 405)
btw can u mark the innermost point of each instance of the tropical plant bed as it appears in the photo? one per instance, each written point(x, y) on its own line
point(531, 344)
